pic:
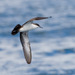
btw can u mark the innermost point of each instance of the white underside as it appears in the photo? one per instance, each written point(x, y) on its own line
point(27, 27)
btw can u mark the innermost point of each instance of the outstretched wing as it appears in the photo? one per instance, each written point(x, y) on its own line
point(37, 18)
point(26, 46)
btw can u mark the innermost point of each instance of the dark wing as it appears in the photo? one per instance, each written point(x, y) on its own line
point(26, 46)
point(37, 18)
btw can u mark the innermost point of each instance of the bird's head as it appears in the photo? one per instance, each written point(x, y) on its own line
point(37, 25)
point(16, 29)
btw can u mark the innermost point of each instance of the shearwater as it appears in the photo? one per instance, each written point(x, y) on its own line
point(29, 25)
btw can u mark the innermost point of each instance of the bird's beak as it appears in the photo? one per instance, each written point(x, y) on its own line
point(40, 27)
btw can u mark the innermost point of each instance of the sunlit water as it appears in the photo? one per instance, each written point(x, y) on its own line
point(53, 47)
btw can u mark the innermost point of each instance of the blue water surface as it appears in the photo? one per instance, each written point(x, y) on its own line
point(53, 46)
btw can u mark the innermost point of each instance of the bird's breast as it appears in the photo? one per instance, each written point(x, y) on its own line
point(27, 27)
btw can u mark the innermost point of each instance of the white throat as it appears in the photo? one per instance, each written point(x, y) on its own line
point(27, 27)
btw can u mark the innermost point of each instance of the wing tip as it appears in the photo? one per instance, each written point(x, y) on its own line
point(29, 62)
point(50, 17)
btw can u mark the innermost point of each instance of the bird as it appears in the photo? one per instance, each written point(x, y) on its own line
point(24, 29)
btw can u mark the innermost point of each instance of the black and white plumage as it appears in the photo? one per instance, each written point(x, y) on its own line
point(29, 25)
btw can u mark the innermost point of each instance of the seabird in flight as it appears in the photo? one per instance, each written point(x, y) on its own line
point(29, 25)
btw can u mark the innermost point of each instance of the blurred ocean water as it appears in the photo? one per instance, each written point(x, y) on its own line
point(53, 47)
